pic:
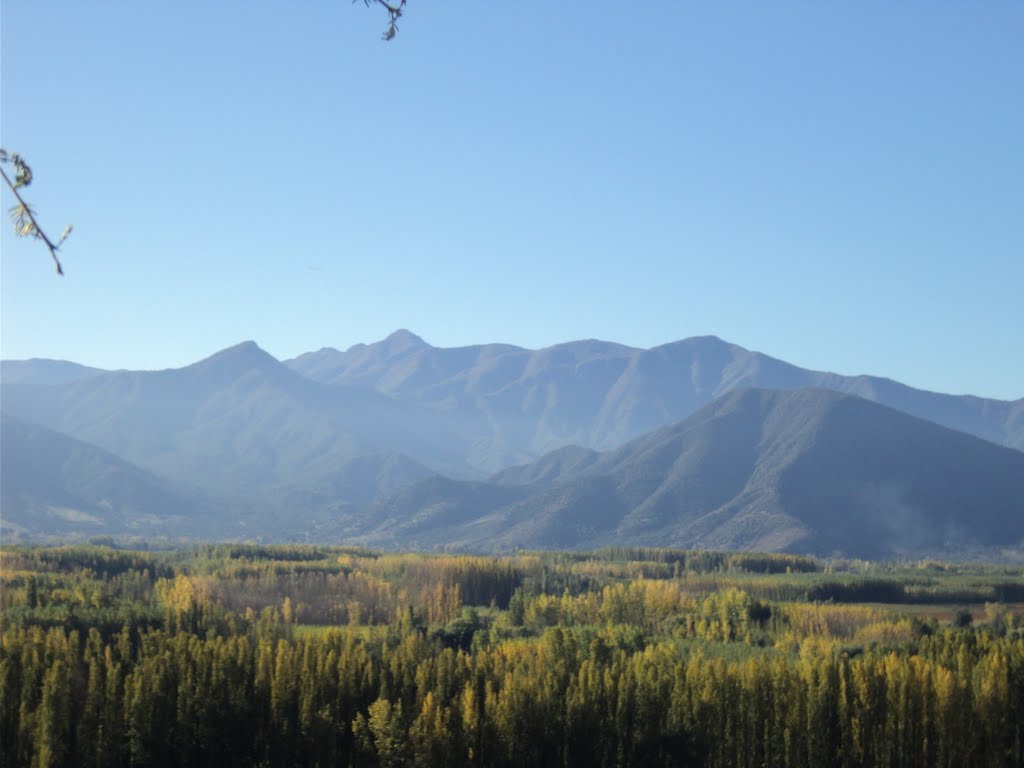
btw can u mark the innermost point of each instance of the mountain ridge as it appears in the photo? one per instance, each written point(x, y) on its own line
point(756, 469)
point(600, 394)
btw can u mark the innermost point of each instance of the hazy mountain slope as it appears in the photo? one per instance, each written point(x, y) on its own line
point(44, 372)
point(999, 421)
point(238, 420)
point(53, 484)
point(549, 469)
point(599, 395)
point(425, 514)
point(349, 490)
point(366, 479)
point(805, 470)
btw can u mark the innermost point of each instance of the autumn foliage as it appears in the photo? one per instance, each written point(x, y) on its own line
point(303, 656)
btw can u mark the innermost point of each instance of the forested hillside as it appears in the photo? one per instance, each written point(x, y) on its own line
point(315, 656)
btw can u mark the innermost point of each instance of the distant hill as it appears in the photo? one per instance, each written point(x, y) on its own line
point(807, 470)
point(52, 484)
point(238, 421)
point(599, 395)
point(55, 486)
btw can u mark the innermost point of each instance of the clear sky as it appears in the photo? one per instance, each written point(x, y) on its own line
point(837, 184)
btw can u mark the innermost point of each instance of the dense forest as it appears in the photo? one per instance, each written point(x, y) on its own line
point(288, 655)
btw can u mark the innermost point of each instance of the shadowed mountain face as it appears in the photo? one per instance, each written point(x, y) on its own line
point(599, 395)
point(808, 470)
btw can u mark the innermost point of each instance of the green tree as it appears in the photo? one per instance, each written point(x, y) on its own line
point(383, 734)
point(962, 618)
point(53, 720)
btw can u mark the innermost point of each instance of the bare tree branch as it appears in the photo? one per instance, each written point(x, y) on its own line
point(22, 215)
point(394, 9)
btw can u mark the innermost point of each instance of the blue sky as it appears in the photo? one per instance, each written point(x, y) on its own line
point(838, 185)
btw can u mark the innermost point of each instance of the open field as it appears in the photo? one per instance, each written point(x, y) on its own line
point(945, 613)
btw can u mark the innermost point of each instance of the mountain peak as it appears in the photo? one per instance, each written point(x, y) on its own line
point(240, 357)
point(241, 349)
point(699, 344)
point(403, 339)
point(404, 335)
point(247, 345)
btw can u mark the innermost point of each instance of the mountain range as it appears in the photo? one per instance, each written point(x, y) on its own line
point(798, 470)
point(599, 395)
point(398, 443)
